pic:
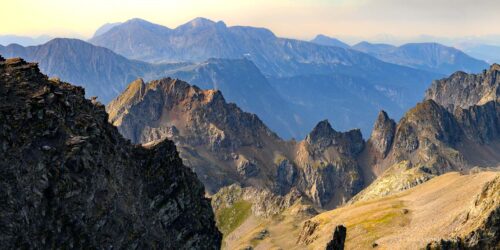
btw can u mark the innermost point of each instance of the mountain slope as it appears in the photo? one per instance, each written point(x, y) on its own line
point(329, 41)
point(201, 39)
point(225, 145)
point(242, 83)
point(467, 205)
point(431, 57)
point(102, 72)
point(463, 90)
point(70, 180)
point(431, 140)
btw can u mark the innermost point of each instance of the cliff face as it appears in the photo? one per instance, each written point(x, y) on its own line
point(70, 180)
point(462, 90)
point(225, 145)
point(456, 128)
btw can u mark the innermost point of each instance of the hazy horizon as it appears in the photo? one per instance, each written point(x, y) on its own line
point(352, 21)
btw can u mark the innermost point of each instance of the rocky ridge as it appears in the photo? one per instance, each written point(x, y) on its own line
point(450, 133)
point(462, 90)
point(70, 180)
point(225, 145)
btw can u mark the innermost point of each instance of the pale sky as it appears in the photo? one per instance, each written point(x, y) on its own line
point(287, 18)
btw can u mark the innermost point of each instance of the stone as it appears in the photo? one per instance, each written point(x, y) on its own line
point(338, 240)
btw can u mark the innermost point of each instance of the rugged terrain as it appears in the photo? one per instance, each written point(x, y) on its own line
point(456, 128)
point(225, 145)
point(70, 180)
point(447, 207)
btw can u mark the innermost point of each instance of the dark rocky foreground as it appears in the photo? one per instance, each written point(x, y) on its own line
point(69, 180)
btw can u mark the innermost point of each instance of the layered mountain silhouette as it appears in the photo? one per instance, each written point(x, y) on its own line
point(277, 100)
point(105, 74)
point(431, 57)
point(330, 41)
point(257, 176)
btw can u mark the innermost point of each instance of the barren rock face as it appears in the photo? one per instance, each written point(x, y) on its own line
point(463, 90)
point(226, 145)
point(69, 179)
point(383, 133)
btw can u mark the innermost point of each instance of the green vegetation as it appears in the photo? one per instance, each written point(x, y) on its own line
point(229, 218)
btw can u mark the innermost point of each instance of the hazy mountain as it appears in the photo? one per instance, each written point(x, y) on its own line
point(330, 41)
point(105, 28)
point(242, 83)
point(489, 53)
point(201, 39)
point(289, 105)
point(374, 48)
point(23, 40)
point(105, 192)
point(432, 57)
point(102, 72)
point(105, 74)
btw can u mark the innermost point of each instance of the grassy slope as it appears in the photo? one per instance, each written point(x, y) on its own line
point(407, 220)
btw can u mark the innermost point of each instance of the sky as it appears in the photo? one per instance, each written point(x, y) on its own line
point(303, 19)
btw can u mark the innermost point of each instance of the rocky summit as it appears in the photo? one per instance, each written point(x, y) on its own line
point(70, 180)
point(456, 128)
point(225, 145)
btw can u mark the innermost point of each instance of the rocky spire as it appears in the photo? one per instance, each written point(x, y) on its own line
point(338, 240)
point(383, 133)
point(322, 132)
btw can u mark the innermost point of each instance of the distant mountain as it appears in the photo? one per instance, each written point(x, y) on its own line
point(102, 72)
point(242, 83)
point(105, 74)
point(23, 40)
point(374, 48)
point(105, 28)
point(489, 53)
point(201, 39)
point(330, 41)
point(281, 102)
point(291, 66)
point(431, 57)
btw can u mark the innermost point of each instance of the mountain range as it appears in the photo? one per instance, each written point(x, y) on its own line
point(257, 176)
point(299, 78)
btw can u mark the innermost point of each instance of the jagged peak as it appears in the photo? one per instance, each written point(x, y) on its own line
point(495, 67)
point(382, 119)
point(383, 133)
point(322, 130)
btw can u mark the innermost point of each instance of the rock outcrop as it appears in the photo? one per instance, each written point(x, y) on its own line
point(383, 133)
point(456, 128)
point(467, 217)
point(338, 240)
point(462, 90)
point(70, 180)
point(225, 145)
